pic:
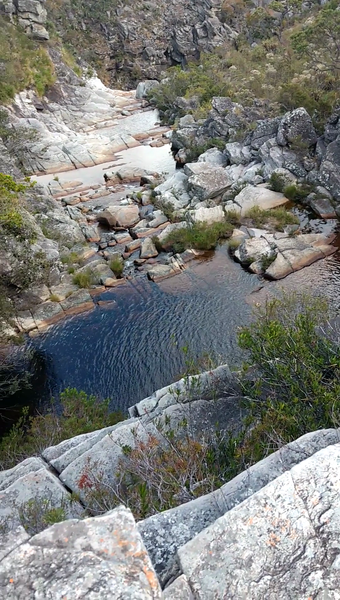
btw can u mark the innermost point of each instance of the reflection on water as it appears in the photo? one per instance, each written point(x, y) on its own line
point(130, 347)
point(130, 350)
point(144, 157)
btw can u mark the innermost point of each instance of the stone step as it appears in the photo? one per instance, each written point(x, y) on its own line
point(35, 487)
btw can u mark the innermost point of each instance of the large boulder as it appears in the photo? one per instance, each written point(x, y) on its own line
point(329, 173)
point(254, 249)
point(237, 153)
point(214, 157)
point(119, 216)
point(260, 196)
point(208, 215)
point(102, 557)
point(277, 543)
point(144, 87)
point(297, 128)
point(206, 181)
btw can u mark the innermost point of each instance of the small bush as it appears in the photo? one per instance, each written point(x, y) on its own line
point(297, 193)
point(276, 218)
point(117, 266)
point(83, 279)
point(201, 236)
point(79, 413)
point(39, 513)
point(277, 182)
point(158, 474)
point(54, 298)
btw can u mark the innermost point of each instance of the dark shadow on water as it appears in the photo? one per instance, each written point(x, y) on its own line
point(33, 369)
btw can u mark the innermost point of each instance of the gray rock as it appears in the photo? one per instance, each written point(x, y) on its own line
point(254, 249)
point(144, 87)
point(178, 590)
point(206, 181)
point(262, 197)
point(160, 272)
point(329, 169)
point(321, 206)
point(148, 249)
point(80, 298)
point(214, 157)
point(175, 190)
point(291, 525)
point(208, 215)
point(119, 216)
point(157, 218)
point(105, 456)
point(265, 130)
point(99, 558)
point(297, 128)
point(30, 465)
point(237, 153)
point(36, 485)
point(186, 121)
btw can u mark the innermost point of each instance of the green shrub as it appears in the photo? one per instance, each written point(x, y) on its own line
point(80, 413)
point(24, 63)
point(296, 383)
point(84, 279)
point(297, 193)
point(54, 298)
point(38, 513)
point(117, 266)
point(277, 182)
point(200, 236)
point(275, 218)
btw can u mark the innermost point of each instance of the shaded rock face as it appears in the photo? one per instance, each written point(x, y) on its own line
point(148, 37)
point(31, 14)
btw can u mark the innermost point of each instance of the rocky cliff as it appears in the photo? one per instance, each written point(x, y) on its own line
point(31, 15)
point(137, 39)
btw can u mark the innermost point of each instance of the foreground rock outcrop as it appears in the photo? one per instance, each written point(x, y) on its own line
point(97, 558)
point(271, 532)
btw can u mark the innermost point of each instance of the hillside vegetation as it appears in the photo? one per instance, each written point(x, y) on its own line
point(286, 62)
point(24, 63)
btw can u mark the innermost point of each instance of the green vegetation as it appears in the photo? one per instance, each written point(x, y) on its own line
point(117, 266)
point(201, 236)
point(12, 219)
point(276, 182)
point(297, 193)
point(293, 64)
point(295, 389)
point(84, 279)
point(275, 218)
point(79, 413)
point(23, 63)
point(39, 513)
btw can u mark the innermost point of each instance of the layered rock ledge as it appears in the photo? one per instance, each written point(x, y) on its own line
point(270, 532)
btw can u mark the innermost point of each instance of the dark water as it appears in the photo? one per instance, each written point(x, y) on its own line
point(132, 346)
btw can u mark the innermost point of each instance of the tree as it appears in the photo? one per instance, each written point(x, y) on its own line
point(320, 40)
